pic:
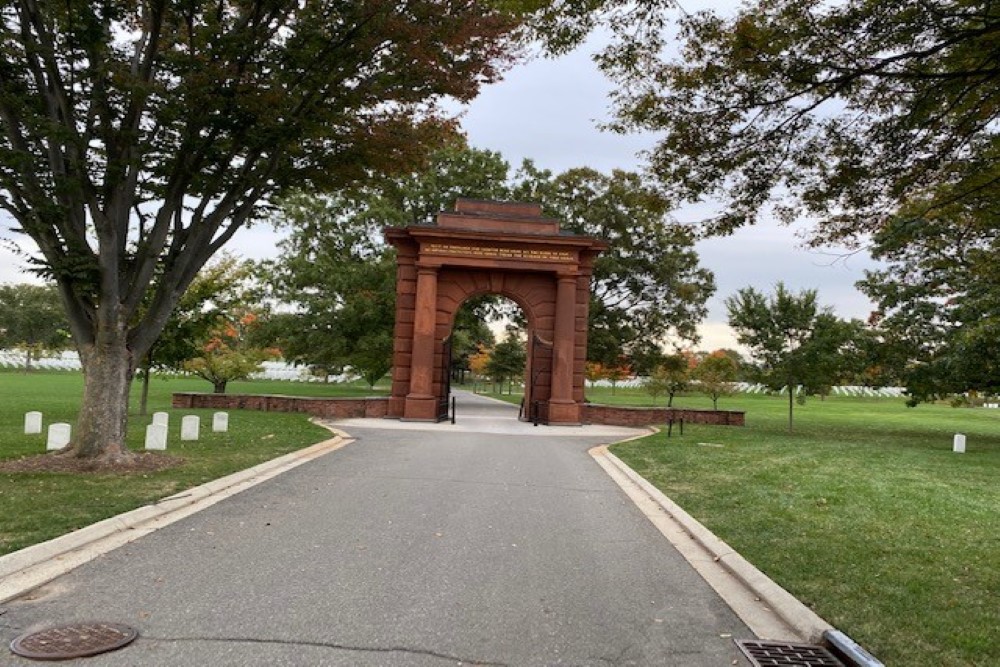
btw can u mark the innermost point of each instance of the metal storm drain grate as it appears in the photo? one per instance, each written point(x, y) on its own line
point(77, 640)
point(783, 654)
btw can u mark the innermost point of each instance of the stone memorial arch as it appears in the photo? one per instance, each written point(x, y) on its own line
point(485, 247)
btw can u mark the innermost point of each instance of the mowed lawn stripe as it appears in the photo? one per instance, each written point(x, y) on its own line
point(864, 513)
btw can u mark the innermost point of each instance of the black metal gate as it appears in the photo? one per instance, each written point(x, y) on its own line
point(445, 396)
point(540, 354)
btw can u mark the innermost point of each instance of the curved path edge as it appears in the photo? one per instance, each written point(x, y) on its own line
point(31, 567)
point(769, 610)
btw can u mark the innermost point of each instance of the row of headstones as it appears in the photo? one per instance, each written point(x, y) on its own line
point(156, 433)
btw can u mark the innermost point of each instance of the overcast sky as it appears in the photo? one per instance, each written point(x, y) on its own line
point(548, 111)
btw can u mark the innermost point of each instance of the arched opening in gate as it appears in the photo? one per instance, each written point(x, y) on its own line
point(507, 358)
point(488, 345)
point(491, 248)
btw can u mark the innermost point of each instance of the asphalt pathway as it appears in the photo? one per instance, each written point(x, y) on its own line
point(487, 542)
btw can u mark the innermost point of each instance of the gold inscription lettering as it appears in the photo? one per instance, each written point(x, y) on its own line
point(502, 253)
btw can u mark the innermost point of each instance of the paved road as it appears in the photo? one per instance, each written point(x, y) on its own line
point(416, 545)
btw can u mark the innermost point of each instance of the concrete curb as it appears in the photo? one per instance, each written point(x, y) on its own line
point(38, 564)
point(769, 610)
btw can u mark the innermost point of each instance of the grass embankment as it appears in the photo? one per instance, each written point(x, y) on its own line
point(864, 513)
point(35, 507)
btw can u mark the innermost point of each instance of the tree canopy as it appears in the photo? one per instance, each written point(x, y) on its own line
point(339, 280)
point(507, 359)
point(845, 111)
point(715, 375)
point(939, 299)
point(670, 376)
point(647, 286)
point(797, 345)
point(137, 137)
point(222, 287)
point(227, 353)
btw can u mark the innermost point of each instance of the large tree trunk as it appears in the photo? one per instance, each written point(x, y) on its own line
point(219, 386)
point(107, 371)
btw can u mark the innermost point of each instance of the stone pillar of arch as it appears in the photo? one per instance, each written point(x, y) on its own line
point(485, 247)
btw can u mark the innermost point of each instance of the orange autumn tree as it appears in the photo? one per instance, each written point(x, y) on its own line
point(478, 362)
point(595, 371)
point(227, 355)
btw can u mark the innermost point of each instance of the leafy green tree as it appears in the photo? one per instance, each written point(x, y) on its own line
point(715, 375)
point(32, 320)
point(136, 138)
point(362, 327)
point(882, 360)
point(939, 299)
point(372, 357)
point(732, 354)
point(648, 286)
point(841, 110)
point(645, 357)
point(670, 377)
point(340, 279)
point(452, 171)
point(836, 352)
point(507, 360)
point(796, 344)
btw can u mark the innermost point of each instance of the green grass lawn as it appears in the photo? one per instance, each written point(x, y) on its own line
point(864, 513)
point(39, 506)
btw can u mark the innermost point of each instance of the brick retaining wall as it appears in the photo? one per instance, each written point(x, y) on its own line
point(333, 408)
point(614, 415)
point(377, 407)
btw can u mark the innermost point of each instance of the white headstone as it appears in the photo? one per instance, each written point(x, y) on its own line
point(189, 427)
point(33, 422)
point(161, 418)
point(59, 435)
point(156, 437)
point(220, 422)
point(958, 446)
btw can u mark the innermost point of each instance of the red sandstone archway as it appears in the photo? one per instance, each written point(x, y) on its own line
point(496, 248)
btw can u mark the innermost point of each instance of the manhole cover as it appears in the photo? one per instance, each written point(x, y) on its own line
point(77, 640)
point(783, 654)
